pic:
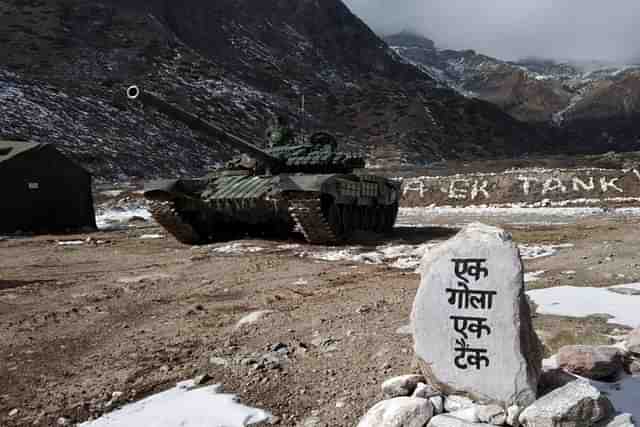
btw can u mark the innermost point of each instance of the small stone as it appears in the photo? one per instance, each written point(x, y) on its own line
point(13, 412)
point(438, 404)
point(425, 391)
point(62, 421)
point(398, 412)
point(634, 367)
point(164, 368)
point(592, 362)
point(492, 414)
point(513, 412)
point(469, 414)
point(455, 403)
point(401, 386)
point(576, 404)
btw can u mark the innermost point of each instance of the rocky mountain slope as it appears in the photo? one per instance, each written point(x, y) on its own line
point(591, 107)
point(66, 64)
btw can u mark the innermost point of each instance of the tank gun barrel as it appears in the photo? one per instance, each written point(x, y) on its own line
point(198, 124)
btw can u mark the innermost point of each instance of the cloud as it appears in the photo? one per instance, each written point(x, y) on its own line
point(512, 29)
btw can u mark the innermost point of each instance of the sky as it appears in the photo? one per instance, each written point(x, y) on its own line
point(580, 30)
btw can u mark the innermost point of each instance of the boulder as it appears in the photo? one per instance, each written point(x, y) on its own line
point(398, 412)
point(469, 414)
point(471, 322)
point(576, 404)
point(403, 385)
point(594, 362)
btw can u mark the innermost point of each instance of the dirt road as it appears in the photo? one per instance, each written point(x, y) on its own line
point(86, 327)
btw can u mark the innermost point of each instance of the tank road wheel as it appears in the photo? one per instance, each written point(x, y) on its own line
point(391, 214)
point(335, 220)
point(347, 219)
point(380, 220)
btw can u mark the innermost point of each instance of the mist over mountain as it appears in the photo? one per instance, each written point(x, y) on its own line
point(569, 30)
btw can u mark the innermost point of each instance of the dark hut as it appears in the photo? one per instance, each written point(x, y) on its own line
point(42, 190)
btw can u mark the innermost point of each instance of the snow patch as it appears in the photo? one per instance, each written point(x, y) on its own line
point(237, 249)
point(185, 407)
point(405, 257)
point(70, 242)
point(574, 301)
point(541, 251)
point(116, 218)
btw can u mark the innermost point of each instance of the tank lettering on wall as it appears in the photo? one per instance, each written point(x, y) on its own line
point(478, 188)
point(463, 189)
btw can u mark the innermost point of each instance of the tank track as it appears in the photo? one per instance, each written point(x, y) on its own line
point(308, 216)
point(167, 216)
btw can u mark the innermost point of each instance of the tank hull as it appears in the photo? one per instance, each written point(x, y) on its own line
point(326, 209)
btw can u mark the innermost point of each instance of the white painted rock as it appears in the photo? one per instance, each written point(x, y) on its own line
point(403, 385)
point(446, 420)
point(471, 321)
point(455, 403)
point(595, 362)
point(576, 404)
point(398, 412)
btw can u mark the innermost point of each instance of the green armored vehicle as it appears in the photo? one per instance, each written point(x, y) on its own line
point(307, 186)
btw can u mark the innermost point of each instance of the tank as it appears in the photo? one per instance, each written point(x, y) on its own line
point(307, 186)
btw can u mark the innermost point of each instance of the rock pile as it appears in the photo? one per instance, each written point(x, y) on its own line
point(480, 357)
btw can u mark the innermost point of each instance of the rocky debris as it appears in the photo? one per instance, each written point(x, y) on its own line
point(598, 363)
point(633, 341)
point(492, 414)
point(473, 284)
point(398, 412)
point(575, 404)
point(403, 385)
point(447, 420)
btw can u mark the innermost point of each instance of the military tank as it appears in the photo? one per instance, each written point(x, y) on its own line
point(306, 186)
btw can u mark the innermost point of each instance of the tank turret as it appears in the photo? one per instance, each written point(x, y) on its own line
point(309, 187)
point(316, 155)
